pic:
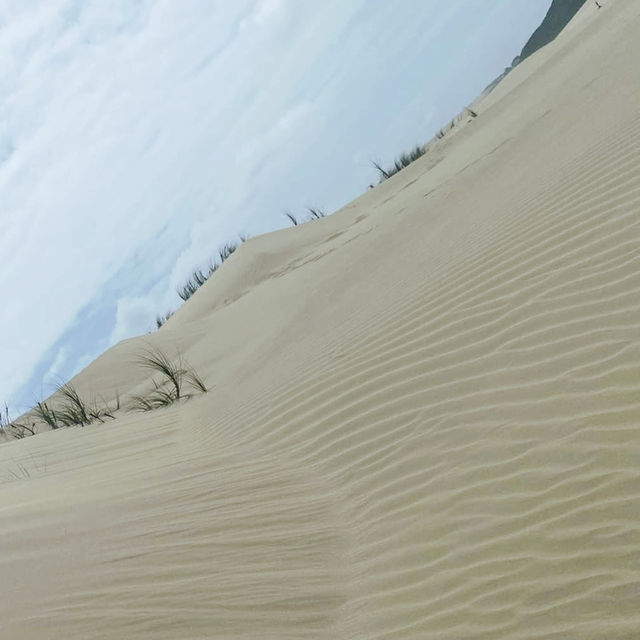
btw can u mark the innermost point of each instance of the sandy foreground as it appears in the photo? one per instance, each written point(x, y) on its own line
point(424, 411)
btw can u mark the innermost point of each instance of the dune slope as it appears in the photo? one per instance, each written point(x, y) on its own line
point(423, 411)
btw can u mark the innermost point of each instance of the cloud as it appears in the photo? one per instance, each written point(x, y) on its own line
point(93, 118)
point(133, 317)
point(54, 373)
point(266, 14)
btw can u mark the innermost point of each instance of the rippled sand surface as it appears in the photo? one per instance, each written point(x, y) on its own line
point(424, 415)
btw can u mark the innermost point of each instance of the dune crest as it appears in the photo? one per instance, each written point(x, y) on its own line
point(422, 416)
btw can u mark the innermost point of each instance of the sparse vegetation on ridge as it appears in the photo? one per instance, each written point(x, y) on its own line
point(294, 221)
point(314, 214)
point(67, 408)
point(178, 380)
point(400, 163)
point(70, 409)
point(199, 277)
point(46, 415)
point(14, 429)
point(19, 430)
point(75, 411)
point(160, 320)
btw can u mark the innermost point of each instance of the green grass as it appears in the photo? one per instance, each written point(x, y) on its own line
point(400, 163)
point(199, 277)
point(47, 415)
point(14, 429)
point(71, 410)
point(292, 218)
point(314, 213)
point(66, 408)
point(177, 380)
point(75, 411)
point(19, 430)
point(160, 320)
point(172, 380)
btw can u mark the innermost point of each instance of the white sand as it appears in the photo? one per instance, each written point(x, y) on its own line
point(424, 415)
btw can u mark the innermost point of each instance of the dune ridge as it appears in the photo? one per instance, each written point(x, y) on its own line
point(423, 410)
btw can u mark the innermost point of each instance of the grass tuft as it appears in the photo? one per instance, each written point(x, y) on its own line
point(160, 320)
point(14, 429)
point(175, 378)
point(294, 221)
point(74, 411)
point(19, 430)
point(70, 410)
point(400, 163)
point(199, 277)
point(47, 415)
point(314, 214)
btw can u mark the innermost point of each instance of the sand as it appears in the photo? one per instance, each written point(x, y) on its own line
point(423, 416)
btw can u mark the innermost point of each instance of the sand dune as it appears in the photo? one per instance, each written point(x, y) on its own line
point(423, 415)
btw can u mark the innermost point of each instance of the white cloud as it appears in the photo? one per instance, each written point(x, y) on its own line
point(133, 317)
point(89, 90)
point(267, 13)
point(53, 374)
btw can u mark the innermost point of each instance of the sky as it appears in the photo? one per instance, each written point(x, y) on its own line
point(137, 136)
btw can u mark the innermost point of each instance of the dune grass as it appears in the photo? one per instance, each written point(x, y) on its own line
point(199, 277)
point(71, 410)
point(160, 320)
point(314, 213)
point(14, 429)
point(400, 163)
point(46, 415)
point(178, 380)
point(292, 218)
point(19, 430)
point(75, 411)
point(66, 408)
